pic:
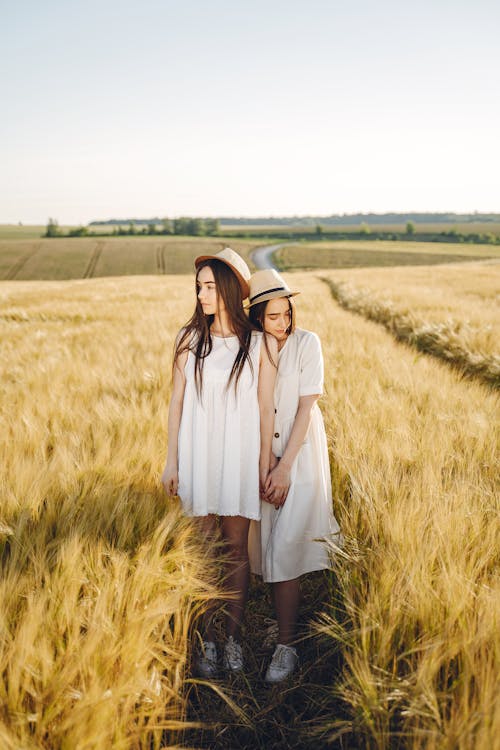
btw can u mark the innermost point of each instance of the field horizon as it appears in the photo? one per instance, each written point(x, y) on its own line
point(122, 256)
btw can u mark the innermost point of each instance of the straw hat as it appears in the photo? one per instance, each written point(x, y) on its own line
point(266, 285)
point(235, 263)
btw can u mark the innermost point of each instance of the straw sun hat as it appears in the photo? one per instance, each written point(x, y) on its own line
point(266, 285)
point(235, 263)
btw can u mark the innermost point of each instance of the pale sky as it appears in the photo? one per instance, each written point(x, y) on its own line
point(115, 109)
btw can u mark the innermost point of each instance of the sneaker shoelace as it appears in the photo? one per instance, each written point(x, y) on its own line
point(279, 657)
point(233, 649)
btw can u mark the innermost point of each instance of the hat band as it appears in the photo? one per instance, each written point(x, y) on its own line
point(268, 291)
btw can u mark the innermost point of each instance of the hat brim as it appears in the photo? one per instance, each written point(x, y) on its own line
point(245, 289)
point(271, 295)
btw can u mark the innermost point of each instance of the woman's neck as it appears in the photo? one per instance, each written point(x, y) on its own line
point(221, 325)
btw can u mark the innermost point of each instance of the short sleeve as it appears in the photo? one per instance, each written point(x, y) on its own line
point(311, 367)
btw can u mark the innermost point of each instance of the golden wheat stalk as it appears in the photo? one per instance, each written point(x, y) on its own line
point(415, 480)
point(446, 340)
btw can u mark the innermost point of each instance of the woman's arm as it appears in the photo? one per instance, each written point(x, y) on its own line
point(278, 481)
point(170, 476)
point(267, 379)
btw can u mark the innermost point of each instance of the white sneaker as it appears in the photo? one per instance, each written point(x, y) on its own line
point(233, 655)
point(207, 662)
point(283, 663)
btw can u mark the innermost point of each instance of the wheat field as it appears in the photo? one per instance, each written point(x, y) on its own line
point(415, 457)
point(87, 257)
point(102, 579)
point(365, 253)
point(452, 313)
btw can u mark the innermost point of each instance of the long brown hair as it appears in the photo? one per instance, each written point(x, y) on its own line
point(196, 337)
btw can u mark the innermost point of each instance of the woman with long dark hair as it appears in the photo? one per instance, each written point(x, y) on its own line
point(220, 429)
point(297, 513)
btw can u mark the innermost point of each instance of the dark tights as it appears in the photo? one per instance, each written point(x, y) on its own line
point(234, 533)
point(286, 595)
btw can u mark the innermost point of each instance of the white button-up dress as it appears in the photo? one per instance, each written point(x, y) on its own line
point(286, 543)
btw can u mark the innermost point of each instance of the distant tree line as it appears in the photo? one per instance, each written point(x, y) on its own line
point(331, 220)
point(360, 218)
point(185, 225)
point(364, 232)
point(199, 227)
point(192, 226)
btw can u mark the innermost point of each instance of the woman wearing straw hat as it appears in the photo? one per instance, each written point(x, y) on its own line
point(298, 512)
point(220, 425)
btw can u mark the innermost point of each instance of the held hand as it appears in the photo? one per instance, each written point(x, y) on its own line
point(170, 480)
point(263, 474)
point(274, 462)
point(277, 485)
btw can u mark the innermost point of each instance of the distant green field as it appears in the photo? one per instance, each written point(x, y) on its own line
point(79, 258)
point(89, 257)
point(20, 232)
point(356, 254)
point(485, 227)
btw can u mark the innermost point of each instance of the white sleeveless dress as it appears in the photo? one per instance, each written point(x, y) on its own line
point(287, 542)
point(219, 435)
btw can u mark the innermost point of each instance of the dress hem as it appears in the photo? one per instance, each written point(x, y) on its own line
point(222, 515)
point(298, 575)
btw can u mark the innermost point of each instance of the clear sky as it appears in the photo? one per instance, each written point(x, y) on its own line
point(113, 108)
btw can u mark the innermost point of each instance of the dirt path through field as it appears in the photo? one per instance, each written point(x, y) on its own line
point(262, 257)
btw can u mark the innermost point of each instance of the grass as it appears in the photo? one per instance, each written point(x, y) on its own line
point(414, 470)
point(355, 254)
point(102, 579)
point(76, 258)
point(451, 314)
point(19, 232)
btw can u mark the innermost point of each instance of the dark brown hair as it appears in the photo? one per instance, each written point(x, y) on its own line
point(196, 337)
point(257, 314)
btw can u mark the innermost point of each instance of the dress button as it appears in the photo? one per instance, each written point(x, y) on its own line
point(276, 434)
point(275, 411)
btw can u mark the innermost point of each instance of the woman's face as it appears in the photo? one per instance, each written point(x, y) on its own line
point(207, 290)
point(277, 318)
